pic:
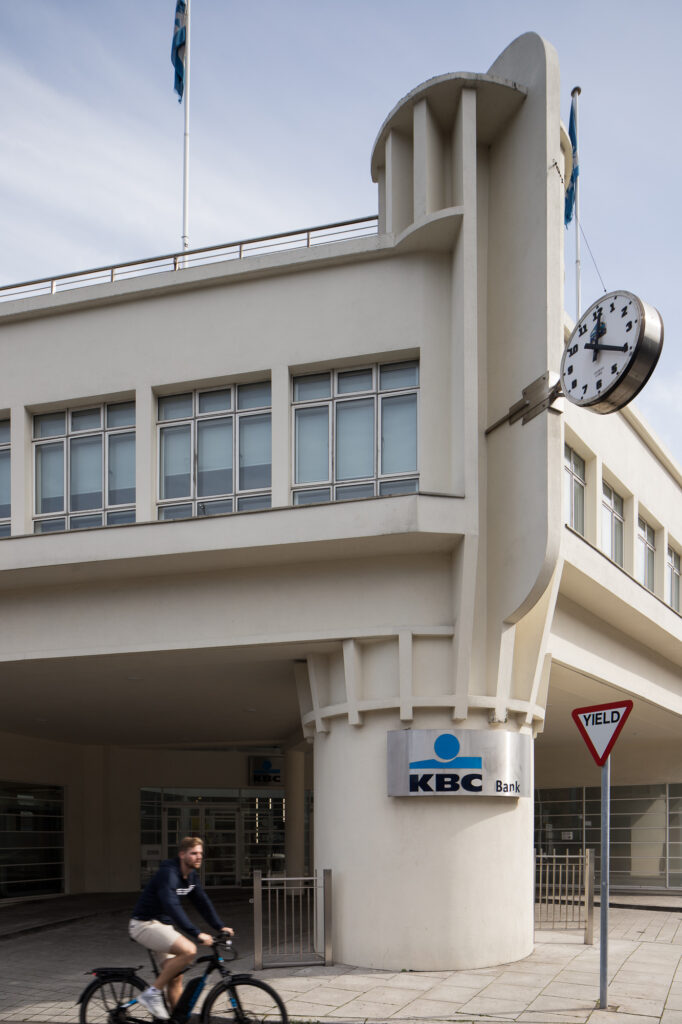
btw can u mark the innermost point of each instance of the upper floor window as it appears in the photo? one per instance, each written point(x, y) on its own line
point(574, 489)
point(646, 553)
point(612, 524)
point(84, 467)
point(674, 579)
point(215, 451)
point(5, 485)
point(355, 433)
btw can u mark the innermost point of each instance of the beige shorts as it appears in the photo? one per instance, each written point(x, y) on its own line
point(154, 935)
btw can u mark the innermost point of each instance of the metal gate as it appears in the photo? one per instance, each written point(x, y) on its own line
point(292, 920)
point(564, 892)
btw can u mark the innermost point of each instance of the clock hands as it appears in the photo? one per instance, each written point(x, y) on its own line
point(597, 332)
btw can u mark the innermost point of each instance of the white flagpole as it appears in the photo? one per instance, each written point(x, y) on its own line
point(185, 166)
point(574, 94)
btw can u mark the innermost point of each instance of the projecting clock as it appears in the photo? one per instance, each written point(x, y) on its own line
point(611, 353)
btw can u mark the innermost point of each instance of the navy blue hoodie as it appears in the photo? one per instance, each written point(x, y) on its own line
point(160, 899)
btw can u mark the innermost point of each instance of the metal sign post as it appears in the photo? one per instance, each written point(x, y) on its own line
point(600, 726)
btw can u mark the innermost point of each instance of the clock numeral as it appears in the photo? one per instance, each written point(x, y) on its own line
point(624, 312)
point(598, 385)
point(612, 307)
point(584, 388)
point(569, 370)
point(629, 325)
point(614, 368)
point(582, 330)
point(574, 384)
point(572, 350)
point(597, 313)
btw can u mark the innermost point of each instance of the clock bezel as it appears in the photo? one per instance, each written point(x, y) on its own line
point(636, 372)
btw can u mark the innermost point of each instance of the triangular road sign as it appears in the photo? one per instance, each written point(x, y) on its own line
point(600, 726)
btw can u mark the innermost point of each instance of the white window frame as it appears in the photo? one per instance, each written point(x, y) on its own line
point(608, 505)
point(104, 432)
point(237, 494)
point(646, 544)
point(575, 480)
point(673, 566)
point(332, 485)
point(6, 446)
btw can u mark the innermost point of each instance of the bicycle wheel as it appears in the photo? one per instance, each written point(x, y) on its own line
point(245, 1002)
point(108, 1002)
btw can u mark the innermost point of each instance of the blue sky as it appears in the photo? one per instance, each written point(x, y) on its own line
point(287, 98)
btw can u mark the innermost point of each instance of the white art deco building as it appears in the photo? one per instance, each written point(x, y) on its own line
point(253, 524)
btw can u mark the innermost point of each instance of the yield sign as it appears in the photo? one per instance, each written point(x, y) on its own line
point(600, 726)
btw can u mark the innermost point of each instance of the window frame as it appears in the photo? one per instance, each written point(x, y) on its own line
point(6, 446)
point(616, 517)
point(65, 515)
point(376, 394)
point(673, 564)
point(235, 415)
point(574, 478)
point(646, 545)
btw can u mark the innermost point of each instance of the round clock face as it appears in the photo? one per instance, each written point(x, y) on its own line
point(611, 353)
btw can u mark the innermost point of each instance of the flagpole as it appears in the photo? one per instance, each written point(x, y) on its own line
point(185, 163)
point(574, 94)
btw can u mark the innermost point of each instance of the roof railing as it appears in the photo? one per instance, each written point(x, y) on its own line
point(185, 260)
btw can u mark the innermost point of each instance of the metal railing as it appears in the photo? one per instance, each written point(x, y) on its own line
point(292, 920)
point(564, 892)
point(306, 238)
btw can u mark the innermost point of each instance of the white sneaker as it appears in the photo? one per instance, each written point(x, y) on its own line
point(153, 1001)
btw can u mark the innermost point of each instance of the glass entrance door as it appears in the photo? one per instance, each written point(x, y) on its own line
point(221, 829)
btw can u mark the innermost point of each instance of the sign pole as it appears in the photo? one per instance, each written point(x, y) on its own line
point(604, 883)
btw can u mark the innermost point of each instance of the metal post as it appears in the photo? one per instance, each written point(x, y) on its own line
point(589, 897)
point(258, 920)
point(575, 93)
point(185, 163)
point(604, 884)
point(327, 889)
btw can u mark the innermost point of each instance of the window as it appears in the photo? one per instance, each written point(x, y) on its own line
point(84, 468)
point(5, 485)
point(32, 839)
point(674, 579)
point(646, 551)
point(574, 490)
point(355, 433)
point(215, 451)
point(612, 524)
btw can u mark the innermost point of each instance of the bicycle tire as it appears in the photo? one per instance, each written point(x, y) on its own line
point(105, 1001)
point(248, 1001)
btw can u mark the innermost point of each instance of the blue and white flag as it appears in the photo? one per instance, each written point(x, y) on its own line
point(569, 201)
point(178, 47)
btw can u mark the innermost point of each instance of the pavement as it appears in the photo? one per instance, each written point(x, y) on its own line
point(47, 946)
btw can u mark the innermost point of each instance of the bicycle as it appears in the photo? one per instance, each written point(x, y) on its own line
point(111, 998)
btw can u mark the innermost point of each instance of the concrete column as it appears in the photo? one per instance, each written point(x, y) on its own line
point(281, 429)
point(429, 184)
point(145, 455)
point(399, 182)
point(294, 795)
point(436, 873)
point(21, 464)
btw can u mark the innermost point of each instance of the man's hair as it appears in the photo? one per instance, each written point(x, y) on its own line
point(189, 842)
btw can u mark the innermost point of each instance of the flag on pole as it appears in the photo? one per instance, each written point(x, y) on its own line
point(178, 47)
point(569, 201)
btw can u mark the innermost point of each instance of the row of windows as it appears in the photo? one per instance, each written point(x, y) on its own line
point(355, 436)
point(612, 529)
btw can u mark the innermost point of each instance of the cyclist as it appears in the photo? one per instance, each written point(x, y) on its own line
point(158, 909)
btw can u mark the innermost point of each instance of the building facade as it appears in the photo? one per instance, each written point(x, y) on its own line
point(255, 520)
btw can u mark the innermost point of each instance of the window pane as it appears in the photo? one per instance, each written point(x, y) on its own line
point(214, 508)
point(121, 469)
point(578, 507)
point(5, 484)
point(214, 469)
point(606, 536)
point(315, 385)
point(387, 487)
point(355, 439)
point(50, 478)
point(399, 375)
point(5, 530)
point(253, 502)
point(214, 401)
point(350, 491)
point(119, 518)
point(650, 569)
point(399, 434)
point(4, 432)
point(49, 526)
point(175, 407)
point(176, 512)
point(176, 462)
point(86, 473)
point(255, 452)
point(617, 554)
point(312, 444)
point(50, 425)
point(312, 497)
point(84, 522)
point(121, 415)
point(354, 380)
point(253, 396)
point(86, 419)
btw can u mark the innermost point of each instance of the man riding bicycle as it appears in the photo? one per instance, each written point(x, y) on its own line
point(159, 908)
